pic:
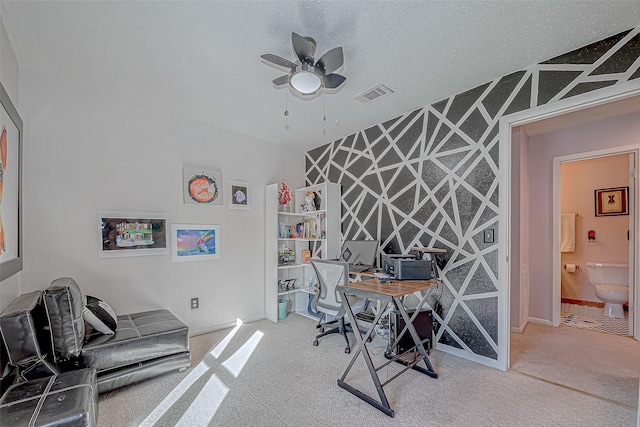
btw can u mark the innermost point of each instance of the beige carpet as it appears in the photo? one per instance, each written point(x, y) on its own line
point(285, 381)
point(601, 364)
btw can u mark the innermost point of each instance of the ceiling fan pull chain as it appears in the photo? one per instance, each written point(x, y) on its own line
point(324, 107)
point(286, 105)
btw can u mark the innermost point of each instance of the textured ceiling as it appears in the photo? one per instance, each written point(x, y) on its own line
point(202, 59)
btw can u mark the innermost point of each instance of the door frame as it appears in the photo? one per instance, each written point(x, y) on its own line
point(507, 123)
point(634, 151)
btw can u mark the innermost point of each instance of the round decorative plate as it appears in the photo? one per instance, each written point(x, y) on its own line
point(203, 189)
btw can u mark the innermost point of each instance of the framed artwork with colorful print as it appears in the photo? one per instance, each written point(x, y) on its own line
point(10, 188)
point(202, 186)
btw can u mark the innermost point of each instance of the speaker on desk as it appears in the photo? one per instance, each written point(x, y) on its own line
point(423, 325)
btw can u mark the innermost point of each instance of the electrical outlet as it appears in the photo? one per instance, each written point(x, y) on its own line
point(195, 303)
point(488, 235)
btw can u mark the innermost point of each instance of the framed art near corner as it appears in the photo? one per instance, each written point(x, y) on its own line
point(201, 186)
point(10, 188)
point(612, 201)
point(194, 242)
point(239, 197)
point(132, 234)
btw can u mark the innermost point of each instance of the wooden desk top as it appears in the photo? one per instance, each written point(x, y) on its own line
point(394, 288)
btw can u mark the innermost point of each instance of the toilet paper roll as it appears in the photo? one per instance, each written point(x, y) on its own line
point(571, 268)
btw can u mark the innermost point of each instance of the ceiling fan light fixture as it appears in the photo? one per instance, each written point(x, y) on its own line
point(306, 76)
point(305, 82)
point(306, 79)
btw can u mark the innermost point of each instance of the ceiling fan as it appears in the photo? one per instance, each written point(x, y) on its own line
point(305, 76)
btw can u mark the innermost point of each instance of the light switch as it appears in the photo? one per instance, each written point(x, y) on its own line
point(488, 235)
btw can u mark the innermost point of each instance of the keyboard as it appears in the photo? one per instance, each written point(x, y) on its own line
point(357, 268)
point(365, 317)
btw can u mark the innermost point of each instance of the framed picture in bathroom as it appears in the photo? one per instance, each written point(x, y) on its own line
point(612, 201)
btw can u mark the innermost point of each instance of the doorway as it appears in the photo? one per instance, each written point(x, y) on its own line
point(560, 355)
point(581, 110)
point(596, 237)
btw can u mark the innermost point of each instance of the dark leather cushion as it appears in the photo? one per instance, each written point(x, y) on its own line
point(140, 337)
point(8, 372)
point(64, 304)
point(24, 330)
point(68, 399)
point(100, 316)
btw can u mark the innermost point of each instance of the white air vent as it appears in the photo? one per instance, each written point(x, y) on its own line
point(373, 94)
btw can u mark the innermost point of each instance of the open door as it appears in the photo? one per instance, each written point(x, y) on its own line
point(633, 255)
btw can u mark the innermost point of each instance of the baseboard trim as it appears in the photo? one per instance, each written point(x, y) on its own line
point(466, 355)
point(540, 321)
point(522, 327)
point(223, 326)
point(582, 302)
point(588, 303)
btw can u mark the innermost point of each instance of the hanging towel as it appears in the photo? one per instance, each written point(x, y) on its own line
point(568, 233)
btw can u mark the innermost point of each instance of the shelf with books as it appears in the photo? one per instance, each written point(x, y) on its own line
point(312, 230)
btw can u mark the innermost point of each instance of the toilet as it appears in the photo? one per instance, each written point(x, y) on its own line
point(612, 286)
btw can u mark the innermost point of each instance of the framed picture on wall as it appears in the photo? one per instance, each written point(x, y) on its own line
point(195, 242)
point(612, 201)
point(239, 197)
point(10, 188)
point(132, 234)
point(201, 186)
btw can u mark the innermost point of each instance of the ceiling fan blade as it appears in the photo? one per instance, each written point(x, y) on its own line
point(332, 81)
point(332, 60)
point(280, 81)
point(304, 47)
point(278, 61)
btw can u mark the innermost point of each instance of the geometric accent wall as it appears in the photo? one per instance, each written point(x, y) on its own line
point(430, 178)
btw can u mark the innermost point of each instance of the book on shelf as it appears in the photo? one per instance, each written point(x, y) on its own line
point(306, 256)
point(309, 228)
point(323, 227)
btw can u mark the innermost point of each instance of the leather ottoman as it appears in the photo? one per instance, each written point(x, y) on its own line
point(68, 399)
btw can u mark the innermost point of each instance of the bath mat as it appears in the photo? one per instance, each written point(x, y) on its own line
point(571, 319)
point(585, 317)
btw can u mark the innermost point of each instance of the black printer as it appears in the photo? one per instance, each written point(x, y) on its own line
point(406, 267)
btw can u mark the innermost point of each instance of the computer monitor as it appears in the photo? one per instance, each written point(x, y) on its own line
point(359, 252)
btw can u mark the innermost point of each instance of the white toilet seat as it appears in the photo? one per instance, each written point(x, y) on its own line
point(613, 288)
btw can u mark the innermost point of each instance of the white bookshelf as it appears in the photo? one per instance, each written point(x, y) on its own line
point(323, 242)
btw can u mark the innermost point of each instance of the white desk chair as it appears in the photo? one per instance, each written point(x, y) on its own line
point(327, 302)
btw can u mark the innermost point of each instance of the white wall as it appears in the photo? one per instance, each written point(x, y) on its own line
point(617, 132)
point(87, 151)
point(519, 295)
point(9, 288)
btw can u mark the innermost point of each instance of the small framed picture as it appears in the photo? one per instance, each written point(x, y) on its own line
point(239, 195)
point(612, 201)
point(195, 242)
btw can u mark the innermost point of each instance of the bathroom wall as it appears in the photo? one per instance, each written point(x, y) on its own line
point(579, 179)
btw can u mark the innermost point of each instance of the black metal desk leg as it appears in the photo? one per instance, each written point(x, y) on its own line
point(383, 405)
